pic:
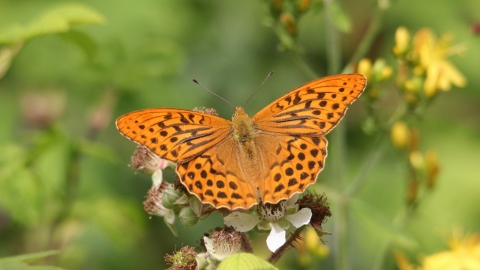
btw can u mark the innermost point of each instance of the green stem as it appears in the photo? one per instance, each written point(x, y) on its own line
point(399, 223)
point(368, 39)
point(367, 166)
point(303, 66)
point(333, 50)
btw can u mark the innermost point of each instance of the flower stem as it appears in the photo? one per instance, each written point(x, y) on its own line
point(247, 246)
point(279, 252)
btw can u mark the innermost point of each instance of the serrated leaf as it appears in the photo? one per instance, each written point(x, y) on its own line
point(245, 261)
point(339, 17)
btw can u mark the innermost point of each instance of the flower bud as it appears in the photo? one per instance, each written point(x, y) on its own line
point(414, 139)
point(365, 68)
point(412, 191)
point(402, 41)
point(304, 5)
point(400, 135)
point(289, 23)
point(187, 216)
point(432, 168)
point(416, 160)
point(170, 196)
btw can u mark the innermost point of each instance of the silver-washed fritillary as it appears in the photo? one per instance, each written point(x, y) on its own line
point(236, 164)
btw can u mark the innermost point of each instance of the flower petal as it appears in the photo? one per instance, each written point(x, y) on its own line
point(276, 238)
point(293, 199)
point(300, 218)
point(208, 245)
point(241, 222)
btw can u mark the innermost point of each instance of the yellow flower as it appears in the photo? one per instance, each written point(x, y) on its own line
point(464, 254)
point(430, 54)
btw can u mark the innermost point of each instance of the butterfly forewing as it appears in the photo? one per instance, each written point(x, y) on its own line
point(314, 108)
point(173, 134)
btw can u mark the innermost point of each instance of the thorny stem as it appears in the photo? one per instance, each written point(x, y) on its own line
point(247, 246)
point(279, 252)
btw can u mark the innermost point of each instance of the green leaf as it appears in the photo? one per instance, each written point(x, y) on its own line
point(339, 17)
point(82, 40)
point(19, 262)
point(31, 257)
point(244, 261)
point(6, 57)
point(59, 19)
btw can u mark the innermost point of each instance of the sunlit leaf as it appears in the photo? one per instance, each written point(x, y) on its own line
point(245, 261)
point(31, 257)
point(58, 19)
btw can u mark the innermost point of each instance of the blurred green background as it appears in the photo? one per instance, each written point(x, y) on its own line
point(64, 179)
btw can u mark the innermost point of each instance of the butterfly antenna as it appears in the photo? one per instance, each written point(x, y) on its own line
point(268, 76)
point(195, 81)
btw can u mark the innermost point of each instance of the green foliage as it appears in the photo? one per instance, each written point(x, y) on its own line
point(20, 262)
point(56, 20)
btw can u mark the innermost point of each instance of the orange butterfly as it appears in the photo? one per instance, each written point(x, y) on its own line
point(270, 157)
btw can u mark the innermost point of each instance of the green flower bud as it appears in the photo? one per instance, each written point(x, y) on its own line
point(170, 196)
point(188, 217)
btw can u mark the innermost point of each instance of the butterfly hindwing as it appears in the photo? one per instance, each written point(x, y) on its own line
point(312, 109)
point(293, 164)
point(216, 177)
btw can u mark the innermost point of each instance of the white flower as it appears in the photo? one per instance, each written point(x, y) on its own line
point(274, 217)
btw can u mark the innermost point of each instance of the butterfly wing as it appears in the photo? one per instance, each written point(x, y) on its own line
point(293, 164)
point(218, 178)
point(173, 134)
point(201, 145)
point(312, 109)
point(290, 133)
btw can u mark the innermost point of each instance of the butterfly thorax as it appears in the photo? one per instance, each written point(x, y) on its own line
point(244, 132)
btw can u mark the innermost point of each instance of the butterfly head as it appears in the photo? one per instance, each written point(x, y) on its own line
point(239, 111)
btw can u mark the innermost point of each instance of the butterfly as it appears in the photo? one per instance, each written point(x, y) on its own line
point(240, 163)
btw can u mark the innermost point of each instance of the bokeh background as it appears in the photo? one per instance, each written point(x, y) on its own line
point(64, 179)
